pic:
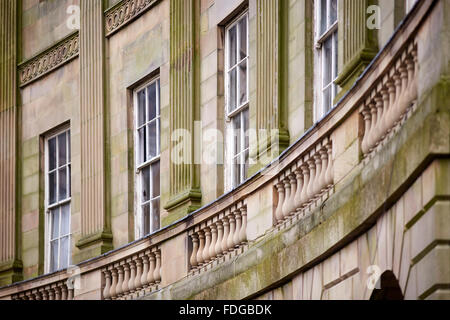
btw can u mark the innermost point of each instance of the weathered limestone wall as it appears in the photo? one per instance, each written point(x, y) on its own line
point(43, 24)
point(42, 111)
point(137, 51)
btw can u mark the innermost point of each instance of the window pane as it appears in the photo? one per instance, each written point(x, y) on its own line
point(232, 47)
point(155, 180)
point(323, 16)
point(327, 61)
point(146, 219)
point(232, 90)
point(52, 154)
point(327, 99)
point(151, 92)
point(236, 171)
point(69, 192)
point(246, 126)
point(243, 38)
point(152, 147)
point(145, 184)
point(335, 53)
point(54, 215)
point(142, 145)
point(62, 148)
point(155, 214)
point(141, 107)
point(64, 253)
point(53, 255)
point(333, 11)
point(52, 187)
point(243, 82)
point(62, 183)
point(68, 146)
point(246, 156)
point(237, 133)
point(65, 219)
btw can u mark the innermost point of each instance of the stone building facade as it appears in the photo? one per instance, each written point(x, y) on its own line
point(224, 149)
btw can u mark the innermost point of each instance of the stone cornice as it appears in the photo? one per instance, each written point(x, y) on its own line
point(49, 59)
point(124, 12)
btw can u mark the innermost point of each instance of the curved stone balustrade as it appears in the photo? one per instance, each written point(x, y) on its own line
point(219, 238)
point(54, 291)
point(133, 276)
point(308, 180)
point(391, 101)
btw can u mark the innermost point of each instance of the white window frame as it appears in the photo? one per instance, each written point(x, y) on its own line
point(139, 217)
point(331, 32)
point(241, 107)
point(58, 203)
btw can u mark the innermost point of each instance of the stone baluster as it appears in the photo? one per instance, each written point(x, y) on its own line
point(57, 292)
point(379, 123)
point(318, 165)
point(144, 276)
point(193, 260)
point(106, 290)
point(232, 221)
point(305, 173)
point(324, 166)
point(64, 292)
point(218, 248)
point(279, 210)
point(226, 232)
point(394, 107)
point(373, 119)
point(387, 120)
point(212, 246)
point(385, 97)
point(131, 282)
point(312, 175)
point(43, 293)
point(330, 174)
point(151, 272)
point(365, 112)
point(126, 278)
point(206, 257)
point(201, 238)
point(414, 76)
point(237, 233)
point(70, 294)
point(243, 232)
point(119, 281)
point(293, 183)
point(287, 196)
point(299, 187)
point(403, 101)
point(137, 281)
point(51, 294)
point(157, 272)
point(29, 295)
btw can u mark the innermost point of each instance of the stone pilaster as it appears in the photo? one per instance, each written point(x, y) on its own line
point(185, 194)
point(10, 266)
point(358, 44)
point(96, 236)
point(269, 116)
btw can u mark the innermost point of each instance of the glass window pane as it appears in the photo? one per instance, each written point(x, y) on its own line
point(53, 255)
point(327, 99)
point(141, 107)
point(243, 82)
point(145, 184)
point(243, 38)
point(151, 92)
point(237, 134)
point(246, 162)
point(327, 62)
point(62, 149)
point(52, 154)
point(146, 219)
point(232, 90)
point(64, 253)
point(232, 47)
point(62, 175)
point(65, 219)
point(323, 16)
point(246, 126)
point(236, 171)
point(335, 53)
point(155, 180)
point(142, 145)
point(152, 147)
point(68, 145)
point(155, 214)
point(69, 191)
point(52, 187)
point(333, 11)
point(54, 215)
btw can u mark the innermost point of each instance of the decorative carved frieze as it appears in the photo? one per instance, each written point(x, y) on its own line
point(125, 12)
point(50, 59)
